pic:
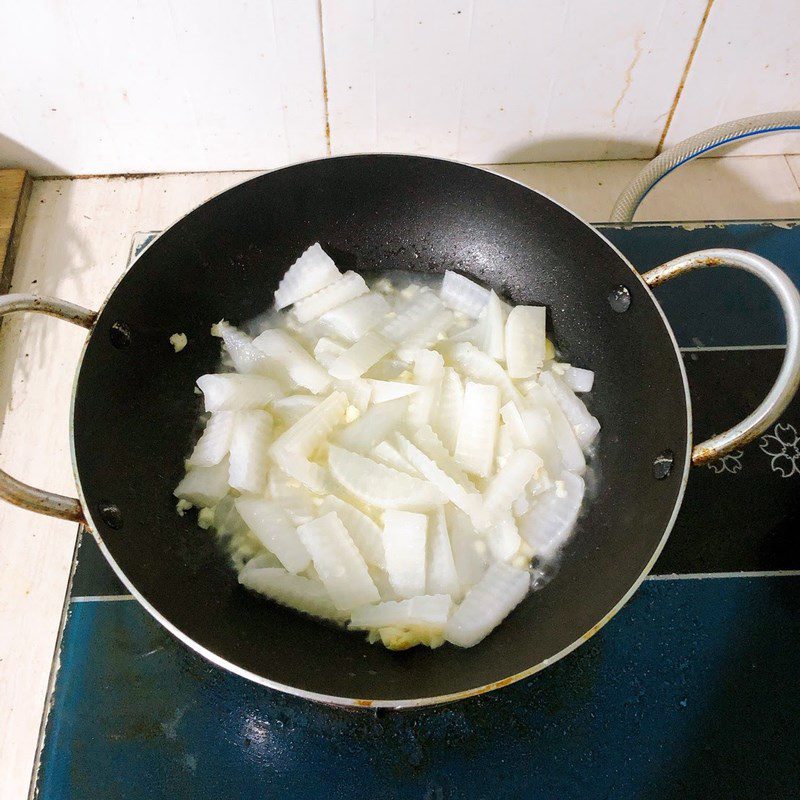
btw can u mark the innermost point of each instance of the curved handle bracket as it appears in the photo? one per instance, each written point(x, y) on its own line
point(12, 490)
point(788, 379)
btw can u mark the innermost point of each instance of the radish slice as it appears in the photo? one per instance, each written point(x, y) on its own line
point(271, 524)
point(341, 567)
point(326, 351)
point(482, 368)
point(487, 604)
point(383, 391)
point(353, 319)
point(469, 549)
point(568, 445)
point(477, 432)
point(428, 334)
point(509, 482)
point(290, 409)
point(373, 426)
point(293, 591)
point(553, 515)
point(412, 314)
point(468, 501)
point(388, 454)
point(525, 341)
point(404, 542)
point(378, 485)
point(291, 495)
point(441, 574)
point(541, 438)
point(365, 533)
point(204, 486)
point(314, 270)
point(215, 441)
point(494, 328)
point(359, 357)
point(585, 426)
point(252, 432)
point(343, 289)
point(427, 611)
point(579, 380)
point(516, 426)
point(449, 408)
point(231, 392)
point(246, 357)
point(428, 374)
point(302, 368)
point(462, 294)
point(503, 538)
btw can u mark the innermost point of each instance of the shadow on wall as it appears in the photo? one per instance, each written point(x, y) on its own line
point(14, 154)
point(584, 148)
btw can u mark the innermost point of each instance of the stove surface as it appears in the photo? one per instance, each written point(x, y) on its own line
point(690, 691)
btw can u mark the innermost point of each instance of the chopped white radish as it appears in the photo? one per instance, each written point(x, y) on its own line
point(291, 495)
point(468, 501)
point(341, 567)
point(373, 426)
point(441, 574)
point(358, 391)
point(553, 515)
point(326, 351)
point(509, 482)
point(263, 560)
point(215, 441)
point(585, 426)
point(426, 439)
point(302, 368)
point(427, 334)
point(477, 431)
point(378, 485)
point(541, 437)
point(405, 544)
point(468, 548)
point(521, 505)
point(504, 447)
point(293, 591)
point(292, 408)
point(578, 379)
point(388, 454)
point(227, 520)
point(360, 356)
point(381, 581)
point(271, 524)
point(503, 538)
point(230, 392)
point(343, 289)
point(449, 407)
point(314, 270)
point(383, 391)
point(516, 427)
point(428, 374)
point(353, 319)
point(246, 357)
point(525, 341)
point(462, 294)
point(412, 314)
point(482, 368)
point(429, 611)
point(252, 432)
point(364, 532)
point(494, 325)
point(204, 486)
point(487, 604)
point(568, 445)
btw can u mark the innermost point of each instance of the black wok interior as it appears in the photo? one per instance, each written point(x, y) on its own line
point(135, 410)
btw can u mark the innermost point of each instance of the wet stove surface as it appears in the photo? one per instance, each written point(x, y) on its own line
point(690, 691)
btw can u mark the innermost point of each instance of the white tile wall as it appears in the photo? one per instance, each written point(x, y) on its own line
point(747, 62)
point(160, 85)
point(502, 80)
point(189, 85)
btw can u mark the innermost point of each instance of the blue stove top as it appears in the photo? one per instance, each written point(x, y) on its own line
point(691, 691)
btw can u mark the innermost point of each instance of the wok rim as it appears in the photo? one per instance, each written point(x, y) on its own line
point(418, 702)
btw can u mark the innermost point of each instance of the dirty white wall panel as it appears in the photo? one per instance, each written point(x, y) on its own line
point(747, 62)
point(504, 80)
point(160, 85)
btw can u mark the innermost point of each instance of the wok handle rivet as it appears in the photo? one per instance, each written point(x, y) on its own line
point(619, 298)
point(662, 464)
point(110, 514)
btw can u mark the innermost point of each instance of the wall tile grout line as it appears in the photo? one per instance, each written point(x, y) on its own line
point(684, 76)
point(324, 80)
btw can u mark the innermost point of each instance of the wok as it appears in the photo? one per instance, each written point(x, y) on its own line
point(134, 413)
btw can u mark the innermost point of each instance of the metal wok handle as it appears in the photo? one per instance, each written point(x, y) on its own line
point(12, 490)
point(788, 378)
